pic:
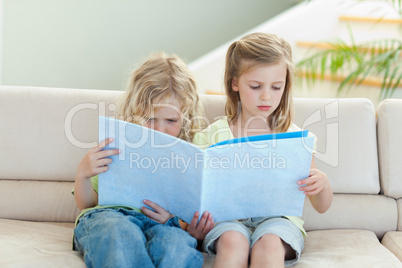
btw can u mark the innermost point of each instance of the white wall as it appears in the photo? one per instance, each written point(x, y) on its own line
point(95, 43)
point(306, 21)
point(1, 41)
point(315, 21)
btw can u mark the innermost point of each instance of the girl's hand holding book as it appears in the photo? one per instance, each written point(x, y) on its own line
point(318, 189)
point(315, 183)
point(199, 229)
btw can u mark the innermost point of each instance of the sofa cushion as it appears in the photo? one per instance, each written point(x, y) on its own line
point(69, 118)
point(37, 201)
point(399, 204)
point(347, 139)
point(213, 106)
point(377, 213)
point(34, 244)
point(389, 127)
point(47, 131)
point(345, 248)
point(393, 241)
point(340, 248)
point(347, 142)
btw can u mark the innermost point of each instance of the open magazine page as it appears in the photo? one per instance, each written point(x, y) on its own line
point(152, 165)
point(233, 181)
point(252, 179)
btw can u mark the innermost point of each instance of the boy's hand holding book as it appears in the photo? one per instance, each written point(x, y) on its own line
point(197, 229)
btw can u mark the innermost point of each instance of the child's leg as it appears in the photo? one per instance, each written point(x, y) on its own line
point(232, 250)
point(276, 242)
point(108, 237)
point(230, 241)
point(170, 246)
point(270, 251)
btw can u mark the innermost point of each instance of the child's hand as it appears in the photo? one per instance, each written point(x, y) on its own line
point(318, 189)
point(159, 214)
point(201, 229)
point(93, 163)
point(96, 161)
point(315, 183)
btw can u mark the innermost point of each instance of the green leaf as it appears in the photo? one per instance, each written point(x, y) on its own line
point(384, 82)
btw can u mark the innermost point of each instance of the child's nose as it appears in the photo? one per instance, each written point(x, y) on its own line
point(266, 95)
point(159, 127)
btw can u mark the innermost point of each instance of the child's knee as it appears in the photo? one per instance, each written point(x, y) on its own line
point(171, 246)
point(273, 245)
point(170, 235)
point(232, 240)
point(124, 229)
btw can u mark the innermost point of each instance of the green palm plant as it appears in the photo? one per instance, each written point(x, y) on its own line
point(353, 64)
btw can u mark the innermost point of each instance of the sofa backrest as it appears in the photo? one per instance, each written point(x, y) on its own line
point(347, 153)
point(347, 141)
point(47, 131)
point(389, 128)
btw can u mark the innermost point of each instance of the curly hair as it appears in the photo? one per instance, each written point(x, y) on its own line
point(155, 81)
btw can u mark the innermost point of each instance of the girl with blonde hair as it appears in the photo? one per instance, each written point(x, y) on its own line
point(162, 95)
point(258, 83)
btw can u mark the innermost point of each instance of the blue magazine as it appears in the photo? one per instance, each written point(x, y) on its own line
point(241, 178)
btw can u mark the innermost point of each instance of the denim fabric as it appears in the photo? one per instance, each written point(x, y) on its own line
point(254, 228)
point(126, 238)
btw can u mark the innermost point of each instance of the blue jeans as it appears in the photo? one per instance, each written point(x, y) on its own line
point(125, 238)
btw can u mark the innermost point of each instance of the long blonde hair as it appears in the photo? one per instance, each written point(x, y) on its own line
point(249, 52)
point(155, 81)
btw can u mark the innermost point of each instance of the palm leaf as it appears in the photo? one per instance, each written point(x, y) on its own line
point(376, 58)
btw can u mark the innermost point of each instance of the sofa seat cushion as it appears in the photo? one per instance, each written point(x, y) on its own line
point(393, 242)
point(341, 248)
point(37, 244)
point(345, 248)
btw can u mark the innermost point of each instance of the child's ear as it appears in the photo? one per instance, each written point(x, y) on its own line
point(235, 86)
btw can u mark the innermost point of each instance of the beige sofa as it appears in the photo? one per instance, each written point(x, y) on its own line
point(46, 131)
